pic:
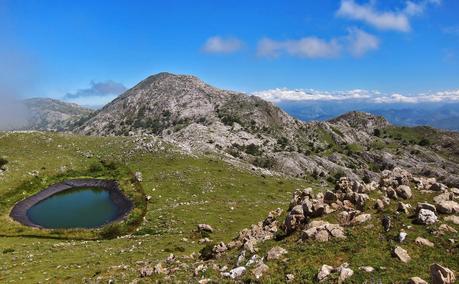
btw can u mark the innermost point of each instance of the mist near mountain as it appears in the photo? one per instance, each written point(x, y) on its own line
point(438, 115)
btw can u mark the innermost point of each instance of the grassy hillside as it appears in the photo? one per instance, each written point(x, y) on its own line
point(185, 191)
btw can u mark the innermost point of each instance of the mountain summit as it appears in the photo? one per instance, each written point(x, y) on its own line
point(198, 117)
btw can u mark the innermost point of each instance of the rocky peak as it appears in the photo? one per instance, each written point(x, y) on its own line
point(361, 120)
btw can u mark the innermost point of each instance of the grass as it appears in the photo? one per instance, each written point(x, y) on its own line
point(185, 191)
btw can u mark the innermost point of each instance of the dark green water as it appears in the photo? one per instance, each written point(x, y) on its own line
point(75, 208)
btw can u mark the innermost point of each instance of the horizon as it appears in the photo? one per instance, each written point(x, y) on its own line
point(397, 52)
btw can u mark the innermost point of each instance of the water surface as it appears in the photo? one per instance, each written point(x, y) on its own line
point(75, 208)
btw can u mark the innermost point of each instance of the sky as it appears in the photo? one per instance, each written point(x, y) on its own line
point(90, 51)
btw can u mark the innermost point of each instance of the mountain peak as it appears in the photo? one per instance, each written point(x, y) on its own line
point(361, 120)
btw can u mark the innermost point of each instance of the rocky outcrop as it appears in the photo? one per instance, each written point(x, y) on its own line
point(441, 274)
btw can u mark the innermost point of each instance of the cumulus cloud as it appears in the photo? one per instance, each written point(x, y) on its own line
point(360, 42)
point(221, 45)
point(307, 47)
point(357, 42)
point(398, 20)
point(98, 89)
point(369, 96)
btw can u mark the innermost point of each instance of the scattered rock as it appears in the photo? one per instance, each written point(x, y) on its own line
point(235, 272)
point(324, 272)
point(445, 229)
point(417, 280)
point(289, 277)
point(426, 217)
point(424, 242)
point(404, 191)
point(379, 205)
point(344, 272)
point(367, 269)
point(404, 207)
point(425, 205)
point(276, 253)
point(441, 275)
point(146, 271)
point(205, 228)
point(138, 177)
point(360, 219)
point(260, 269)
point(448, 207)
point(322, 231)
point(454, 219)
point(402, 236)
point(401, 254)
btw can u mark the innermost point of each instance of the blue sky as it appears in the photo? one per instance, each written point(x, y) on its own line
point(71, 47)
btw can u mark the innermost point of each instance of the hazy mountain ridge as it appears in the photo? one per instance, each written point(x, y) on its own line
point(50, 114)
point(438, 115)
point(200, 118)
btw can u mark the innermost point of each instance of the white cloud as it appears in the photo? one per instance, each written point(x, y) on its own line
point(357, 43)
point(286, 95)
point(361, 42)
point(218, 44)
point(398, 20)
point(307, 47)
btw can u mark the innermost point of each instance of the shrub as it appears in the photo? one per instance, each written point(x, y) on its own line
point(207, 253)
point(264, 162)
point(253, 150)
point(3, 162)
point(8, 250)
point(110, 231)
point(377, 132)
point(424, 142)
point(96, 167)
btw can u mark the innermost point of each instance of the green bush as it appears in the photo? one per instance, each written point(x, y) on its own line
point(253, 150)
point(3, 162)
point(111, 231)
point(424, 142)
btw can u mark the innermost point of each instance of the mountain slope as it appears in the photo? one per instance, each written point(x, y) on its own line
point(200, 118)
point(51, 114)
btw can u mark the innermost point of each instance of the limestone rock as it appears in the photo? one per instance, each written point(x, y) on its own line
point(426, 217)
point(445, 229)
point(424, 242)
point(453, 218)
point(205, 228)
point(401, 254)
point(448, 207)
point(404, 207)
point(360, 219)
point(235, 272)
point(404, 191)
point(417, 280)
point(322, 231)
point(276, 253)
point(324, 272)
point(260, 269)
point(441, 275)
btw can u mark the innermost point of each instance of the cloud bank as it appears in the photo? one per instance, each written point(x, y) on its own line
point(286, 95)
point(221, 45)
point(398, 20)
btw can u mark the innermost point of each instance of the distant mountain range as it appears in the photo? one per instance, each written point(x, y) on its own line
point(444, 116)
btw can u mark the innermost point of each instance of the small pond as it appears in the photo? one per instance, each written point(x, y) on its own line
point(75, 208)
point(79, 203)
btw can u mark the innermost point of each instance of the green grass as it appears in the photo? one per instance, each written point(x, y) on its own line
point(185, 191)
